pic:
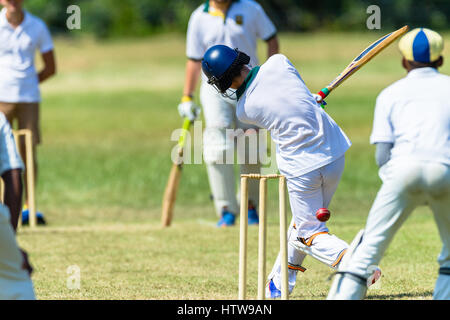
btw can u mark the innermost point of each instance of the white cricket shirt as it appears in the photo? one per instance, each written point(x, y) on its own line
point(18, 78)
point(414, 115)
point(277, 99)
point(244, 23)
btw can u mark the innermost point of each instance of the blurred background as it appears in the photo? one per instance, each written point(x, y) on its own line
point(112, 18)
point(107, 119)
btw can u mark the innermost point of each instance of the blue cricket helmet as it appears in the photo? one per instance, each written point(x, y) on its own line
point(221, 64)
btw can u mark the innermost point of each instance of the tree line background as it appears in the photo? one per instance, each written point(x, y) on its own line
point(121, 18)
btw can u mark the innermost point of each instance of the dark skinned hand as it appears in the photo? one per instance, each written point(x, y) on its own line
point(26, 263)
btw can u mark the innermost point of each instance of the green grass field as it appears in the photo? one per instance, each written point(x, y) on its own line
point(107, 119)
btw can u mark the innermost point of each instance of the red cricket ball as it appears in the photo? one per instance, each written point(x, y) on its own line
point(323, 214)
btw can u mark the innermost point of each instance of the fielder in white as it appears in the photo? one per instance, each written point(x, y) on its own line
point(411, 130)
point(236, 23)
point(15, 271)
point(310, 148)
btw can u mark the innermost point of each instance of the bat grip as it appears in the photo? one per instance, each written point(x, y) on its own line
point(182, 139)
point(184, 130)
point(323, 93)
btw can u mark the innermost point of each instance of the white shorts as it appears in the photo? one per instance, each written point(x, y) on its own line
point(9, 156)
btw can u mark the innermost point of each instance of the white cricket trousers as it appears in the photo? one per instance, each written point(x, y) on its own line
point(219, 143)
point(15, 283)
point(307, 194)
point(407, 183)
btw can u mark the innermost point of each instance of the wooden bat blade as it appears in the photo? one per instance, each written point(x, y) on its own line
point(170, 192)
point(170, 195)
point(365, 56)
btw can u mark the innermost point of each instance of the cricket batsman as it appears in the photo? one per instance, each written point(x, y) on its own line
point(411, 131)
point(236, 23)
point(310, 146)
point(15, 270)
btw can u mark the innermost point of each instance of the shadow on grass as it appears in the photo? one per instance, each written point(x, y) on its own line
point(400, 295)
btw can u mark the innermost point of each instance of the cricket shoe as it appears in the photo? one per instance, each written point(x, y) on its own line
point(272, 292)
point(374, 277)
point(227, 220)
point(25, 217)
point(252, 216)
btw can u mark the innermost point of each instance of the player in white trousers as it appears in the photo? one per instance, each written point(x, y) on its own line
point(411, 130)
point(15, 281)
point(310, 147)
point(237, 24)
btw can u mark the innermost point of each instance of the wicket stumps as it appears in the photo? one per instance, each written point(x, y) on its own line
point(262, 235)
point(29, 164)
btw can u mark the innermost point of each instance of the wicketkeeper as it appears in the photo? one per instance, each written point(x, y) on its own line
point(310, 146)
point(411, 131)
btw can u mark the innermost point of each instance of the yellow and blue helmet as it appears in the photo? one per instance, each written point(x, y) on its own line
point(421, 45)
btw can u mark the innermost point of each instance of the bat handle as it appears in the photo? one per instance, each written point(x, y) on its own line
point(324, 93)
point(185, 129)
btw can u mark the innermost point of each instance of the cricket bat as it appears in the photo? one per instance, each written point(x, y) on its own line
point(365, 56)
point(174, 179)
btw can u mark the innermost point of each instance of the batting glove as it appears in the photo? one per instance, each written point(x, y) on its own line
point(188, 109)
point(319, 99)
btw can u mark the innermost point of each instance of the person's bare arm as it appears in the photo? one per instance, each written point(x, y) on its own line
point(273, 46)
point(13, 194)
point(193, 68)
point(49, 66)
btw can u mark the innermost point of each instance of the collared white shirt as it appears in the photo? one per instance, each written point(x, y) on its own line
point(278, 100)
point(244, 23)
point(414, 115)
point(18, 77)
